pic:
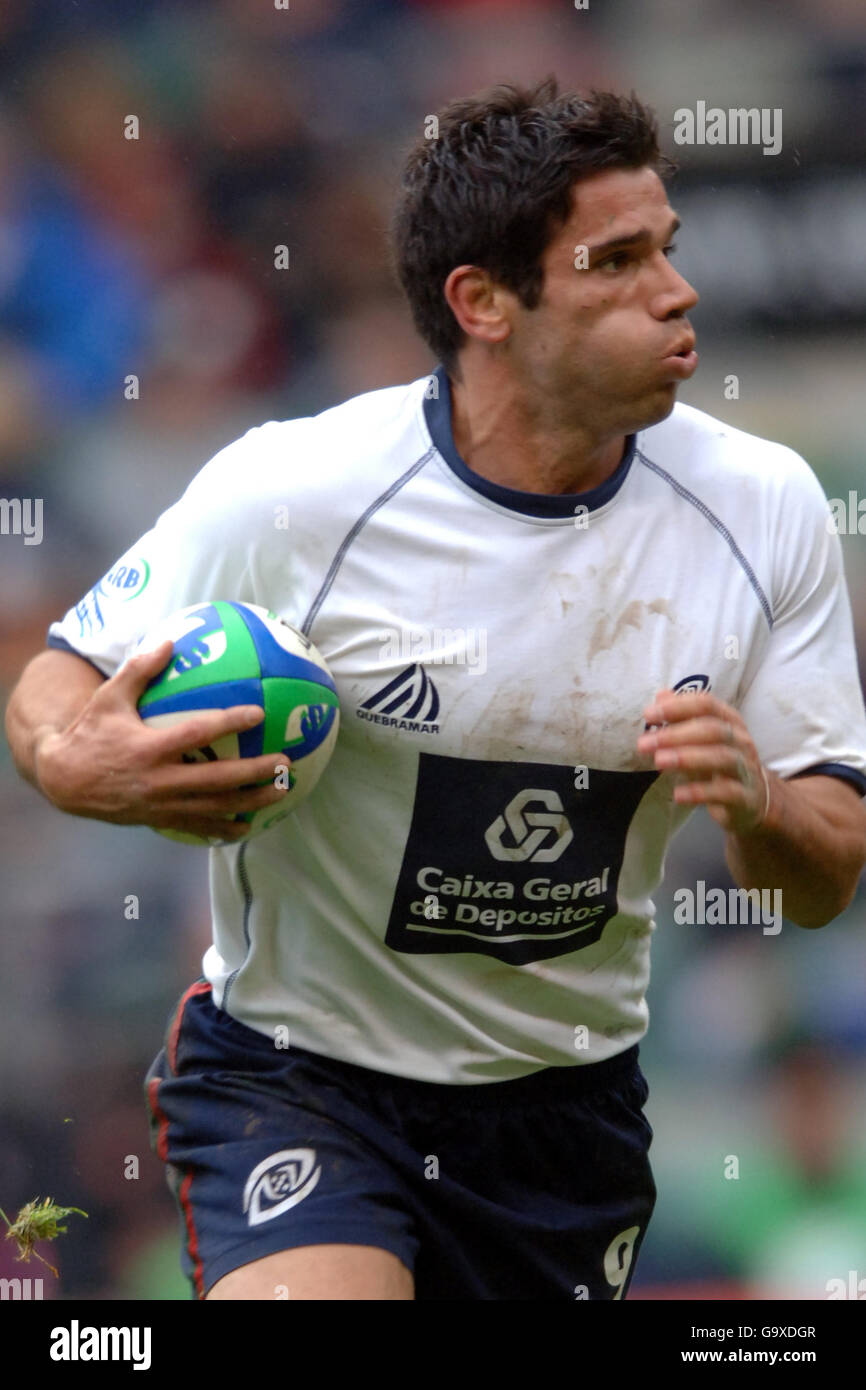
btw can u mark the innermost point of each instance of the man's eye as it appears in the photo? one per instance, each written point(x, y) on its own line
point(670, 249)
point(617, 260)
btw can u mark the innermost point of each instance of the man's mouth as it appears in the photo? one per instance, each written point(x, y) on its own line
point(684, 348)
point(682, 360)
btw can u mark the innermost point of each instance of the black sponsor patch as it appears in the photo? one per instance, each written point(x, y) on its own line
point(519, 861)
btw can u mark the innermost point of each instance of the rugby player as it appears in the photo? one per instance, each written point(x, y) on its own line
point(452, 934)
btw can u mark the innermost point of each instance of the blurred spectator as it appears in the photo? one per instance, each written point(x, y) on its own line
point(71, 301)
point(792, 1217)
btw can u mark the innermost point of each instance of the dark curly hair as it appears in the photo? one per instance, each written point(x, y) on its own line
point(495, 183)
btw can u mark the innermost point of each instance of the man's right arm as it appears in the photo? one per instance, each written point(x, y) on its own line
point(78, 738)
point(52, 691)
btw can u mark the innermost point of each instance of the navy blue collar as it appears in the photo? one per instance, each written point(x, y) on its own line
point(437, 411)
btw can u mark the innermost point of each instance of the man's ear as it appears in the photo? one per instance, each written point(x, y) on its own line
point(481, 307)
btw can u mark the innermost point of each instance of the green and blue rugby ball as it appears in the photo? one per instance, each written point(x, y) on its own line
point(227, 654)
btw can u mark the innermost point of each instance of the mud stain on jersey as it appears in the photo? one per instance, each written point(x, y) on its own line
point(571, 588)
point(503, 729)
point(607, 632)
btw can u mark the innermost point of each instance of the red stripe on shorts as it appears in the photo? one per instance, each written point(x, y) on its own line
point(183, 1194)
point(200, 987)
point(192, 1237)
point(162, 1130)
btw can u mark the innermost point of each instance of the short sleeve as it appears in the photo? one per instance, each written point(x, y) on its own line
point(804, 705)
point(209, 545)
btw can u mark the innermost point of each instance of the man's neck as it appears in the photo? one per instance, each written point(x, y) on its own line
point(500, 438)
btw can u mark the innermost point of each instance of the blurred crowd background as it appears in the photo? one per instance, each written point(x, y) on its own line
point(154, 257)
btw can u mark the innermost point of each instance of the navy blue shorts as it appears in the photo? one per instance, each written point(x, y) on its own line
point(537, 1188)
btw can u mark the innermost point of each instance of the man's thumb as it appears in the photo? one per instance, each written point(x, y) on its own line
point(133, 677)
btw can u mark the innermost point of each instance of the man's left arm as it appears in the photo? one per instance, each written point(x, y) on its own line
point(803, 835)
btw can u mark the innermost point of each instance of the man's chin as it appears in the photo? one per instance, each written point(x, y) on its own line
point(656, 408)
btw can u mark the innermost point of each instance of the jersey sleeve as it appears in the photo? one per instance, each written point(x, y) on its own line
point(804, 705)
point(210, 545)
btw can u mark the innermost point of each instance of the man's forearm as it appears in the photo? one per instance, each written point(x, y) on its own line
point(52, 691)
point(812, 847)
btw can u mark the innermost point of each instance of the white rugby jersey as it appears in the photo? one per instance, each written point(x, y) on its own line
point(467, 894)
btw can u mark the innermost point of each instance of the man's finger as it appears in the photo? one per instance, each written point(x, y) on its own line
point(704, 760)
point(707, 729)
point(674, 709)
point(224, 775)
point(721, 791)
point(229, 803)
point(206, 827)
point(206, 728)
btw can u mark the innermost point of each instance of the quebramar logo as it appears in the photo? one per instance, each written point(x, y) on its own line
point(410, 701)
point(280, 1182)
point(530, 829)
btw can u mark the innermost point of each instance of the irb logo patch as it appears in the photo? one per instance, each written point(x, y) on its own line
point(127, 580)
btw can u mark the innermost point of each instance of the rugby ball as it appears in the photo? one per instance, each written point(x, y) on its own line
point(227, 653)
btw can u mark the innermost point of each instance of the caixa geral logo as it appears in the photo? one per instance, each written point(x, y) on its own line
point(279, 1182)
point(530, 829)
point(127, 580)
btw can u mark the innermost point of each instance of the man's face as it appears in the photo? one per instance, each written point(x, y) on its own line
point(597, 350)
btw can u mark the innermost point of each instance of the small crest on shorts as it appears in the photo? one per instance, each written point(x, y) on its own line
point(280, 1182)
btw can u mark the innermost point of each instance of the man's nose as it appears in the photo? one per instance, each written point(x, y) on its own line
point(675, 297)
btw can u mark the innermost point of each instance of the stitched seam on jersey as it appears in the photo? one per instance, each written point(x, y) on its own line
point(248, 904)
point(356, 529)
point(720, 527)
